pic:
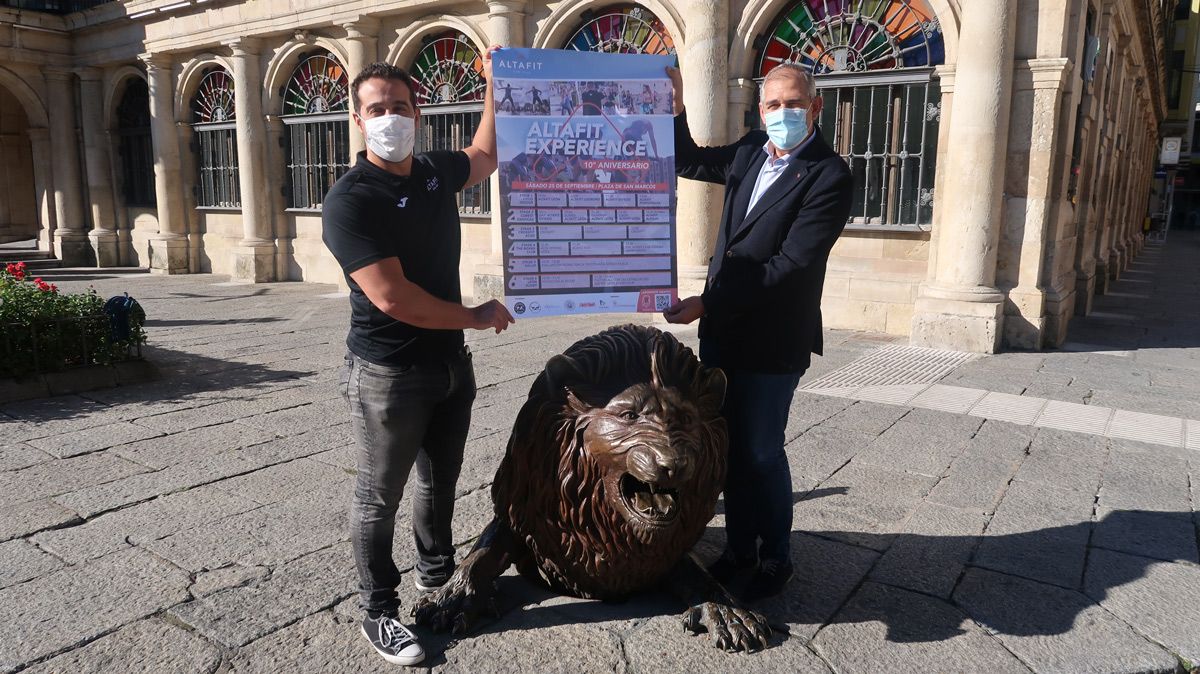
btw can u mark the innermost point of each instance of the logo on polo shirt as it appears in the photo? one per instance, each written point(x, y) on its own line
point(431, 184)
point(402, 203)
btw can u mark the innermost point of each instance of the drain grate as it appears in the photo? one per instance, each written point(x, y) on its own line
point(892, 365)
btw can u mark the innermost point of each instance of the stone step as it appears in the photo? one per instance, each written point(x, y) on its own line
point(33, 259)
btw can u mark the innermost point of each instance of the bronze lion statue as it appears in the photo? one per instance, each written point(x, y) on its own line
point(611, 475)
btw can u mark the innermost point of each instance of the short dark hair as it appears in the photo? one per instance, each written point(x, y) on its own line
point(384, 71)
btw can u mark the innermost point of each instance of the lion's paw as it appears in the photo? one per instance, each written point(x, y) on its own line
point(458, 605)
point(729, 628)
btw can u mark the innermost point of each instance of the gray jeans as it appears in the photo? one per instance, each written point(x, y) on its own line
point(400, 416)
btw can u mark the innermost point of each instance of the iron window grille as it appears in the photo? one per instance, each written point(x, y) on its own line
point(315, 111)
point(449, 88)
point(134, 145)
point(215, 142)
point(874, 65)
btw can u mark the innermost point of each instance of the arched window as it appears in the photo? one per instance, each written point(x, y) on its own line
point(622, 29)
point(215, 141)
point(134, 146)
point(315, 106)
point(450, 89)
point(873, 62)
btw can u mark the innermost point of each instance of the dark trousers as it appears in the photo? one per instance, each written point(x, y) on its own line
point(758, 486)
point(400, 416)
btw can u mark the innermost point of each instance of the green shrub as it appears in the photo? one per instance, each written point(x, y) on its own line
point(45, 330)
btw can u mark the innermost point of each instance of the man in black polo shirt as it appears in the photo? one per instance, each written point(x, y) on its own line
point(392, 223)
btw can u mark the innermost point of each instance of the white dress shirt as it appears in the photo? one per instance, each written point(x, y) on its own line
point(772, 168)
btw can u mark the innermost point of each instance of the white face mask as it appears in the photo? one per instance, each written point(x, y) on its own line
point(390, 136)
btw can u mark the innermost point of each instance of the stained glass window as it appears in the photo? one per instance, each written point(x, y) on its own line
point(315, 104)
point(448, 70)
point(855, 36)
point(134, 145)
point(215, 142)
point(450, 90)
point(873, 61)
point(622, 29)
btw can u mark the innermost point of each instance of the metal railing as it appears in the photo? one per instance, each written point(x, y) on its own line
point(55, 344)
point(451, 127)
point(318, 154)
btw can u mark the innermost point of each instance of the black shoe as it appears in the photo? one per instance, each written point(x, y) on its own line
point(393, 640)
point(428, 586)
point(769, 581)
point(728, 566)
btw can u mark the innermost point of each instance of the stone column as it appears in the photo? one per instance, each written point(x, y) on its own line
point(362, 49)
point(43, 186)
point(741, 102)
point(169, 247)
point(506, 27)
point(705, 65)
point(1030, 230)
point(98, 165)
point(74, 249)
point(961, 308)
point(254, 258)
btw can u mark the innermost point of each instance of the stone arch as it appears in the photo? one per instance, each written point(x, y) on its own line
point(760, 16)
point(35, 109)
point(554, 30)
point(407, 44)
point(285, 60)
point(189, 79)
point(116, 87)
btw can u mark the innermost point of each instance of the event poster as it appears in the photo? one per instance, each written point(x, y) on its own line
point(587, 181)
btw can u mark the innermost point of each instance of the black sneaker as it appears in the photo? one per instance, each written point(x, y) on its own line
point(772, 576)
point(393, 640)
point(728, 566)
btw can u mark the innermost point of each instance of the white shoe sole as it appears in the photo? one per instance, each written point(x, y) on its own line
point(426, 588)
point(407, 661)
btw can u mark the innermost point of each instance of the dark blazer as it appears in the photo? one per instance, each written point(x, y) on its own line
point(762, 299)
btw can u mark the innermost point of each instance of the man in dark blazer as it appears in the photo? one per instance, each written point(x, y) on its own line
point(787, 198)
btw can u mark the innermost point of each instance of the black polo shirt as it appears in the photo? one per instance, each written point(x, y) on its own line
point(371, 215)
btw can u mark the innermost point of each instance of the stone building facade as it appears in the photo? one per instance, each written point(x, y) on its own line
point(1003, 149)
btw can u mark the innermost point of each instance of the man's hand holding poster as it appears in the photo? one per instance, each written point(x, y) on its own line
point(587, 181)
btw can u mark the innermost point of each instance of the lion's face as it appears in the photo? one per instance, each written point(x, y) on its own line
point(647, 442)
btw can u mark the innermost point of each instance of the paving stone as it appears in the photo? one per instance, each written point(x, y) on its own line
point(300, 419)
point(20, 455)
point(27, 518)
point(93, 439)
point(537, 640)
point(191, 445)
point(947, 420)
point(237, 616)
point(1072, 393)
point(864, 417)
point(815, 408)
point(915, 448)
point(142, 523)
point(660, 640)
point(826, 572)
point(1160, 601)
point(62, 476)
point(865, 505)
point(1161, 535)
point(1000, 439)
point(103, 595)
point(236, 575)
point(888, 629)
point(1145, 477)
point(1056, 630)
point(1039, 532)
point(1064, 459)
point(998, 381)
point(1127, 397)
point(281, 481)
point(21, 561)
point(323, 642)
point(974, 482)
point(931, 553)
point(267, 536)
point(300, 445)
point(59, 415)
point(150, 645)
point(821, 451)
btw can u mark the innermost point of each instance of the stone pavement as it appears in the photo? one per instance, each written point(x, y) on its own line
point(198, 523)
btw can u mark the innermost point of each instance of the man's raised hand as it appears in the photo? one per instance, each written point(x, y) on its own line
point(677, 88)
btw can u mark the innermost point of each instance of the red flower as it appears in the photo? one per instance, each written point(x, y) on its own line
point(53, 288)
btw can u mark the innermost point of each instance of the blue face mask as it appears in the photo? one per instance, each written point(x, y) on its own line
point(786, 127)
